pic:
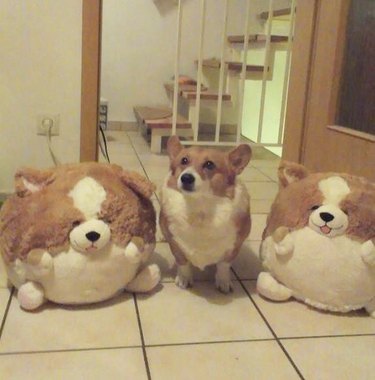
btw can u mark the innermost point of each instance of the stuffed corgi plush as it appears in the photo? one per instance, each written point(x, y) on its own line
point(205, 209)
point(78, 234)
point(318, 245)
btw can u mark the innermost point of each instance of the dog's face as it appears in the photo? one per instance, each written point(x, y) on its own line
point(197, 171)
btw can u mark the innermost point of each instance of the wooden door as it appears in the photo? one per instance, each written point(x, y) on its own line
point(338, 92)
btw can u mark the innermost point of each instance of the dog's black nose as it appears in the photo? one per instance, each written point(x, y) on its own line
point(187, 179)
point(93, 236)
point(326, 216)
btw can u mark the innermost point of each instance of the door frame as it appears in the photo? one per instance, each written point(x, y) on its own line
point(90, 78)
point(299, 82)
point(315, 80)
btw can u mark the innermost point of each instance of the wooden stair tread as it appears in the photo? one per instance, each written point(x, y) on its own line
point(232, 65)
point(257, 38)
point(149, 116)
point(183, 88)
point(190, 93)
point(276, 13)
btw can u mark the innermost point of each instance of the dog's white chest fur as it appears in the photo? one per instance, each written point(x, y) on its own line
point(203, 226)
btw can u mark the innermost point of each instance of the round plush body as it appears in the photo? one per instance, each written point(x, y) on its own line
point(318, 245)
point(78, 234)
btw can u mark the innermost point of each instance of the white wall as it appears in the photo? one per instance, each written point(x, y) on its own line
point(40, 66)
point(138, 46)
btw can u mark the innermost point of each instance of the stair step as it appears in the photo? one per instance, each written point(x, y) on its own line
point(183, 88)
point(277, 13)
point(190, 93)
point(256, 38)
point(159, 117)
point(232, 65)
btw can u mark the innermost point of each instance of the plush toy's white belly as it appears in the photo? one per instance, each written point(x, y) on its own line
point(327, 273)
point(82, 277)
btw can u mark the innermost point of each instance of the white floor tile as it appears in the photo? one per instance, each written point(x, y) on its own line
point(296, 319)
point(199, 314)
point(334, 358)
point(108, 324)
point(221, 361)
point(75, 365)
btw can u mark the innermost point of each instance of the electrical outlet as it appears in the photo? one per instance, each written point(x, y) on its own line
point(48, 122)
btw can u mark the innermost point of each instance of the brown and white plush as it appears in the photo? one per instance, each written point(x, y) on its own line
point(318, 245)
point(205, 212)
point(78, 234)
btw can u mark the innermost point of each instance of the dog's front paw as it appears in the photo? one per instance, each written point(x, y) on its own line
point(184, 277)
point(224, 285)
point(183, 282)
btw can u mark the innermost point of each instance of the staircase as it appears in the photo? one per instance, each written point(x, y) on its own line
point(255, 73)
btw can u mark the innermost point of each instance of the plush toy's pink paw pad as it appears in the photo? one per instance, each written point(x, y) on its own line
point(30, 296)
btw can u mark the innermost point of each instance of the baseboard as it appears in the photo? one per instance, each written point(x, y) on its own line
point(122, 126)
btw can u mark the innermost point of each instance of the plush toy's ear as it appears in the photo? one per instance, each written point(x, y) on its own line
point(290, 172)
point(138, 183)
point(174, 146)
point(239, 158)
point(28, 180)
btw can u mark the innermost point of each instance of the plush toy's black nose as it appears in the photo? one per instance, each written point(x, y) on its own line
point(188, 180)
point(93, 236)
point(326, 216)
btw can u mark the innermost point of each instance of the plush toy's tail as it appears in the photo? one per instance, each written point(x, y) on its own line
point(146, 280)
point(268, 287)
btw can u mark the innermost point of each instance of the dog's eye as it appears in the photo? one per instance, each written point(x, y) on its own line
point(184, 161)
point(209, 165)
point(76, 223)
point(314, 207)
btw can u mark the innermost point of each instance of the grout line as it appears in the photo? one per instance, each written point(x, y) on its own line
point(326, 336)
point(6, 311)
point(142, 338)
point(66, 350)
point(270, 328)
point(210, 342)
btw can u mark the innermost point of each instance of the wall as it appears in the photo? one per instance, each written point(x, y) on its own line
point(138, 46)
point(40, 65)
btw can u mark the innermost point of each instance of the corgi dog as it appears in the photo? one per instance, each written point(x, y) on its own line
point(205, 209)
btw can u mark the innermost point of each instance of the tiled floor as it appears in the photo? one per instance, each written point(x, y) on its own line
point(198, 333)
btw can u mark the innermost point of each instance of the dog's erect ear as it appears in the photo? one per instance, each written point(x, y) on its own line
point(28, 180)
point(174, 146)
point(290, 172)
point(239, 158)
point(138, 183)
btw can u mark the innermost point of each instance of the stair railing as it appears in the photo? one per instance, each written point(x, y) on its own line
point(287, 71)
point(241, 89)
point(200, 69)
point(222, 72)
point(265, 71)
point(177, 67)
